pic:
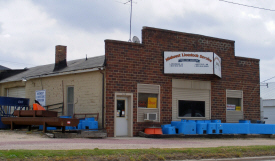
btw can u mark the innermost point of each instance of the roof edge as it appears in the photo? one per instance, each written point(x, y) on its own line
point(66, 73)
point(59, 74)
point(253, 59)
point(123, 42)
point(184, 33)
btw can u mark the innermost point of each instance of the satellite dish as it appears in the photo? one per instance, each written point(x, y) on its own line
point(136, 39)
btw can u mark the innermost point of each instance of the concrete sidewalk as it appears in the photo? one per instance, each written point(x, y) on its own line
point(35, 140)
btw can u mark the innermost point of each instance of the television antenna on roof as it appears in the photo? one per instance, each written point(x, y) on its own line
point(130, 17)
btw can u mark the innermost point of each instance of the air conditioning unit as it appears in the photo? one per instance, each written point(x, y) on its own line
point(150, 116)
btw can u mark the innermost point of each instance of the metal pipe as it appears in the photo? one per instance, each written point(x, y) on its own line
point(63, 97)
point(101, 71)
point(103, 100)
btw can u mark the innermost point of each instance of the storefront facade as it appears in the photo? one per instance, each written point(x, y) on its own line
point(172, 76)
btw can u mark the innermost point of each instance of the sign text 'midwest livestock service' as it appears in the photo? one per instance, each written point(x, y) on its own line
point(188, 55)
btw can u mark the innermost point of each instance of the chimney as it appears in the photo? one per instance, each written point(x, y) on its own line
point(60, 57)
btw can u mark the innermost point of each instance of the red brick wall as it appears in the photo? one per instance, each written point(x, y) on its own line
point(60, 53)
point(60, 57)
point(128, 64)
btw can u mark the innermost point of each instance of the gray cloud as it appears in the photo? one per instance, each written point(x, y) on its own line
point(36, 26)
point(92, 16)
point(1, 28)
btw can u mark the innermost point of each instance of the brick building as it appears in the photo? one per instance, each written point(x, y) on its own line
point(168, 77)
point(150, 79)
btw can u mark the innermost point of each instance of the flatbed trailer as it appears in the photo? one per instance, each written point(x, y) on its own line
point(39, 117)
point(45, 121)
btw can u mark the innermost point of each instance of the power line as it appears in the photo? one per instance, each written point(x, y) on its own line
point(247, 5)
point(268, 79)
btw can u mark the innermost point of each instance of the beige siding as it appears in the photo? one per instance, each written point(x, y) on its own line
point(87, 91)
point(234, 93)
point(234, 116)
point(191, 84)
point(191, 90)
point(148, 88)
point(5, 86)
point(16, 92)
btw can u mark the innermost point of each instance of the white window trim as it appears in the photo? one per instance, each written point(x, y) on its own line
point(228, 90)
point(158, 104)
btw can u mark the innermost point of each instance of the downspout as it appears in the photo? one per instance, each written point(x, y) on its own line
point(63, 98)
point(101, 71)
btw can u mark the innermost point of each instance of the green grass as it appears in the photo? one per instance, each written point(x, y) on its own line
point(138, 154)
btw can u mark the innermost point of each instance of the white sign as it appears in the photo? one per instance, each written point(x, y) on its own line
point(191, 63)
point(230, 107)
point(217, 65)
point(40, 96)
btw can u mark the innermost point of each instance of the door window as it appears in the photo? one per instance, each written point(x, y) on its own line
point(120, 108)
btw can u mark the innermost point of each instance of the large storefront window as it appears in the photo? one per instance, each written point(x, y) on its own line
point(191, 108)
point(147, 100)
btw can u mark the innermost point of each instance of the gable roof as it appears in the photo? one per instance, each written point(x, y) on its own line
point(73, 66)
point(3, 68)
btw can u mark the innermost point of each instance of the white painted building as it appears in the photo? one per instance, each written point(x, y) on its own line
point(268, 109)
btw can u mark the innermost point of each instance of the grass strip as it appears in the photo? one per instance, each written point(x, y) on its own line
point(139, 154)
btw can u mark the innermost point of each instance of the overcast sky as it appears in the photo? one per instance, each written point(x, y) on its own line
point(30, 29)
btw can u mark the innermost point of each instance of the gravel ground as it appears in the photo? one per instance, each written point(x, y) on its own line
point(37, 140)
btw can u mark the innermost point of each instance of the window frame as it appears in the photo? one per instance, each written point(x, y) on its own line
point(149, 89)
point(238, 95)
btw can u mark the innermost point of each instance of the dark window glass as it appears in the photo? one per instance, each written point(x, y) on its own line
point(234, 101)
point(70, 101)
point(120, 108)
point(191, 108)
point(237, 102)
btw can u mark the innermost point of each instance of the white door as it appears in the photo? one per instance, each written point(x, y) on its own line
point(121, 122)
point(269, 113)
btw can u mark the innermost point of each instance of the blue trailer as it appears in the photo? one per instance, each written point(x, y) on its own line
point(9, 104)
